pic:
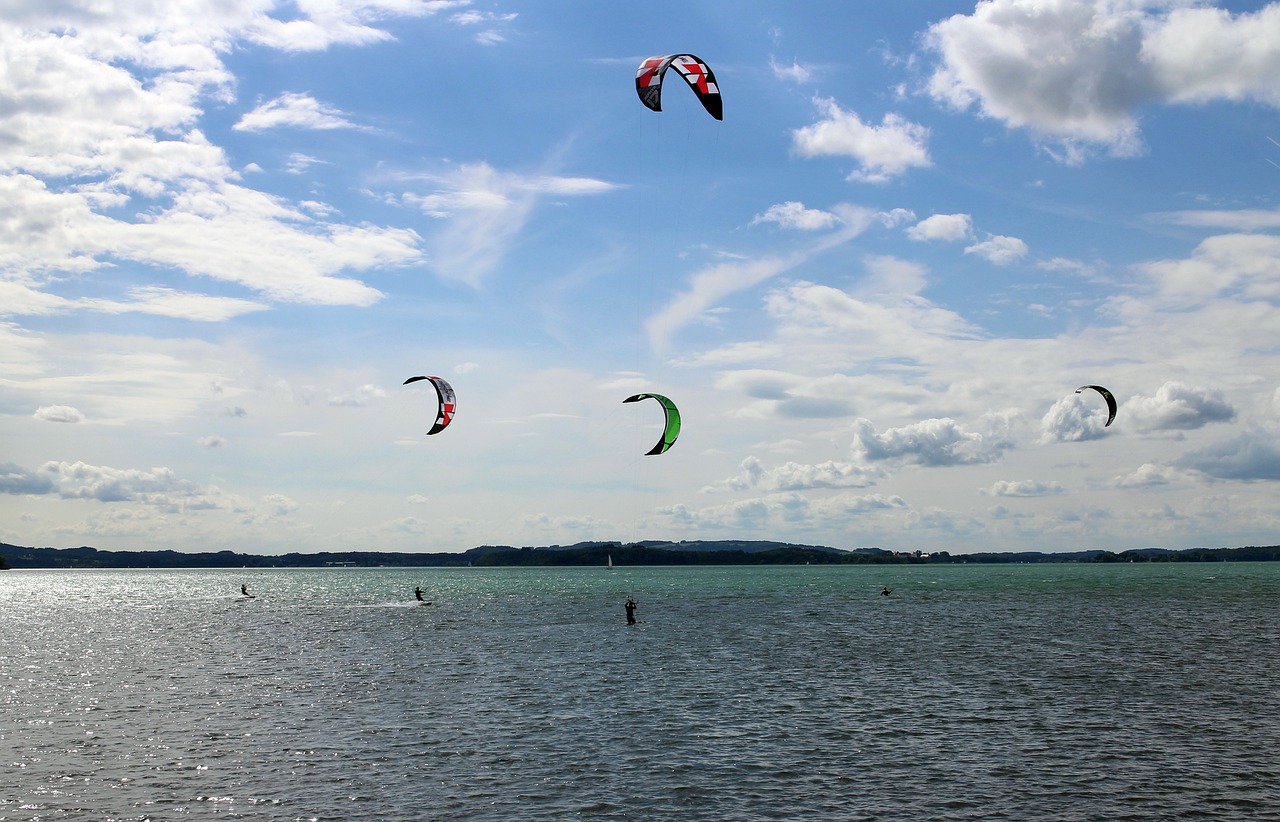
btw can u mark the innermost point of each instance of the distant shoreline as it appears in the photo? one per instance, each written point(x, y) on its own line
point(699, 552)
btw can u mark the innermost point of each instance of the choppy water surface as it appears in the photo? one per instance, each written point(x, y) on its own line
point(1047, 692)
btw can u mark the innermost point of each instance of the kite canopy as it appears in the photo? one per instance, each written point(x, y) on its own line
point(672, 429)
point(1106, 395)
point(697, 73)
point(444, 393)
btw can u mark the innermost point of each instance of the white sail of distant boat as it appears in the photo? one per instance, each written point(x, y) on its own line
point(609, 561)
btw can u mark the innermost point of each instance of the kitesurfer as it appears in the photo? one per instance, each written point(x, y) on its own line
point(244, 589)
point(884, 592)
point(631, 611)
point(417, 592)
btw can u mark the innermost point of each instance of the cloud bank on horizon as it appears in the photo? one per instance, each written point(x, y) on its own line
point(228, 232)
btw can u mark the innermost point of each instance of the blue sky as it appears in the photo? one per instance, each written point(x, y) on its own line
point(229, 232)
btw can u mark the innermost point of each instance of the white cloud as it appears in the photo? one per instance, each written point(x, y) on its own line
point(1150, 475)
point(999, 250)
point(300, 162)
point(792, 214)
point(1198, 54)
point(211, 441)
point(1024, 488)
point(158, 486)
point(891, 279)
point(794, 476)
point(709, 285)
point(1242, 265)
point(105, 163)
point(486, 36)
point(485, 209)
point(166, 302)
point(942, 227)
point(294, 110)
point(933, 442)
point(320, 24)
point(1248, 219)
point(794, 72)
point(1077, 70)
point(882, 152)
point(1178, 407)
point(1072, 419)
point(58, 413)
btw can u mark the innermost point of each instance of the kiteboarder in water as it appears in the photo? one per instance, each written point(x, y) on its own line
point(417, 592)
point(884, 592)
point(244, 589)
point(631, 611)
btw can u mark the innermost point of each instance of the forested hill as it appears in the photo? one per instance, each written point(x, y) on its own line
point(699, 552)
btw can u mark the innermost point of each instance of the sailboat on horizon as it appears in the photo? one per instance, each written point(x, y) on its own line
point(608, 560)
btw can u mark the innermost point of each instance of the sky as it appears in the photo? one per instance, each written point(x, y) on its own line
point(230, 231)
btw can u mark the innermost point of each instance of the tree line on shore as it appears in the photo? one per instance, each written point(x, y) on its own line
point(656, 552)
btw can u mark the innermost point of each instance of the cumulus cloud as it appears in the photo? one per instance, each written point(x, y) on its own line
point(942, 227)
point(1253, 455)
point(933, 442)
point(1024, 488)
point(58, 413)
point(1150, 475)
point(294, 110)
point(882, 152)
point(106, 164)
point(794, 215)
point(1077, 70)
point(158, 486)
point(793, 476)
point(14, 479)
point(1179, 407)
point(999, 250)
point(1073, 419)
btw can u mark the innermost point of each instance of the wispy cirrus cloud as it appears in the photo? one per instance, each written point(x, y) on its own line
point(484, 210)
point(713, 283)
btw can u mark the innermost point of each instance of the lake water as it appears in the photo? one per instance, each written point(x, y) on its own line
point(1020, 692)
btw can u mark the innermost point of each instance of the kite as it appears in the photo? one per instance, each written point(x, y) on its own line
point(697, 73)
point(672, 429)
point(1106, 395)
point(444, 392)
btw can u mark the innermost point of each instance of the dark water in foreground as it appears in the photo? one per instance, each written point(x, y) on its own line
point(1027, 692)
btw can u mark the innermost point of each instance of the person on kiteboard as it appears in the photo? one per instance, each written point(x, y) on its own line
point(417, 592)
point(631, 611)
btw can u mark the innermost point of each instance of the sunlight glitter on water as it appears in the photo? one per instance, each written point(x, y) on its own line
point(1047, 692)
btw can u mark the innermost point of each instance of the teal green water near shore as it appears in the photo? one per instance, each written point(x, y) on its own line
point(972, 692)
